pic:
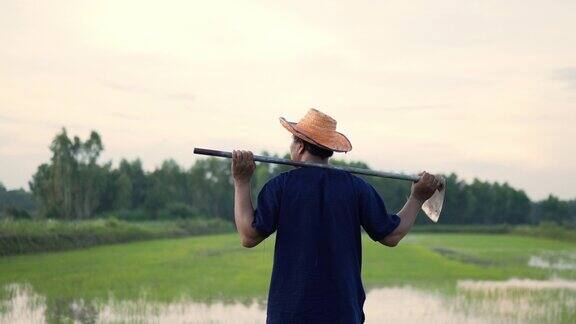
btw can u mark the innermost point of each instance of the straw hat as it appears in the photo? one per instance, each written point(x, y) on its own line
point(319, 129)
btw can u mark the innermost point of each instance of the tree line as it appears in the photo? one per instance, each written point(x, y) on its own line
point(75, 185)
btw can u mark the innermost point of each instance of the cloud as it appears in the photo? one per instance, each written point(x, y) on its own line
point(183, 96)
point(123, 87)
point(567, 75)
point(41, 123)
point(421, 107)
point(178, 96)
point(9, 120)
point(125, 116)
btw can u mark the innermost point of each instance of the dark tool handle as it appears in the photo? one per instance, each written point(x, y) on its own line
point(275, 160)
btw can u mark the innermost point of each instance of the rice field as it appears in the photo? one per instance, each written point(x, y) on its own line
point(443, 278)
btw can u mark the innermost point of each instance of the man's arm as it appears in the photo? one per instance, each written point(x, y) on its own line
point(242, 169)
point(420, 192)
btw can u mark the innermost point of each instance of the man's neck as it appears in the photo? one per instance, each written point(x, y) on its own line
point(314, 159)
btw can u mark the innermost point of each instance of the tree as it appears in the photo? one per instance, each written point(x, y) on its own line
point(552, 209)
point(89, 177)
point(16, 203)
point(123, 197)
point(71, 185)
point(138, 180)
point(62, 174)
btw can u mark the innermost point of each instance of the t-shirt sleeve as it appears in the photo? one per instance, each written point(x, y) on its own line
point(268, 207)
point(374, 217)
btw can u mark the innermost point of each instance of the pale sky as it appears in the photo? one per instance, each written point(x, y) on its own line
point(485, 89)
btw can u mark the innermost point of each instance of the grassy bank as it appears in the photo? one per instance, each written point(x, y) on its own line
point(545, 230)
point(478, 229)
point(23, 236)
point(551, 231)
point(27, 236)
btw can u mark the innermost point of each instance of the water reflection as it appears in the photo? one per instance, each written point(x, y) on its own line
point(557, 261)
point(515, 300)
point(22, 305)
point(516, 284)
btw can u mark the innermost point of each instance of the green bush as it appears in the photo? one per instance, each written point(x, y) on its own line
point(15, 213)
point(25, 236)
point(129, 215)
point(178, 211)
point(548, 230)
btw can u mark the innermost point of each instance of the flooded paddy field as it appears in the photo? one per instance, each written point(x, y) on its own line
point(433, 278)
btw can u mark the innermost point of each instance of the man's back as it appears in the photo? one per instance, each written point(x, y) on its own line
point(317, 214)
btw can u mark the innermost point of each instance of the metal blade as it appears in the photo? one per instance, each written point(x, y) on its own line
point(433, 206)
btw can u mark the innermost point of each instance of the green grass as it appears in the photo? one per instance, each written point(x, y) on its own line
point(435, 259)
point(217, 267)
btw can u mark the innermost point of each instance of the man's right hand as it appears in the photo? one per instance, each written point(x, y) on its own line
point(243, 166)
point(425, 187)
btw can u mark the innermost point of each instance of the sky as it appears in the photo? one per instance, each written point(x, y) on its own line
point(485, 89)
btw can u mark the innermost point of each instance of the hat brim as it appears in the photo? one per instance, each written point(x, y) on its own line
point(337, 142)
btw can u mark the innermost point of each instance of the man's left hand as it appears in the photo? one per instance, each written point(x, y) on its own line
point(425, 187)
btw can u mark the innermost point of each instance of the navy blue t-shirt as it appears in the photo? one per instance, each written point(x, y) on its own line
point(317, 214)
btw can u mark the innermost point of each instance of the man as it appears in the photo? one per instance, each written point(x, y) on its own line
point(317, 214)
